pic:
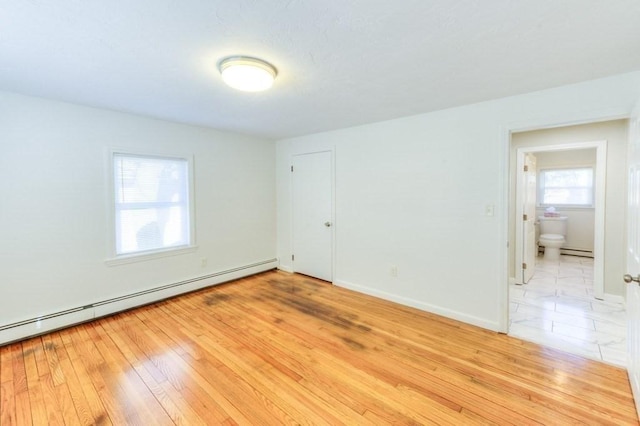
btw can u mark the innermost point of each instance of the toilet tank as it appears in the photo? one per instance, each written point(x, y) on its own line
point(553, 225)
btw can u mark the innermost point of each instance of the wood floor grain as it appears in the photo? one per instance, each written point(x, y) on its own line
point(278, 348)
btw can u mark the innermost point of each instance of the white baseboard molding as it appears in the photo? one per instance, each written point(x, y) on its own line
point(285, 268)
point(57, 320)
point(458, 316)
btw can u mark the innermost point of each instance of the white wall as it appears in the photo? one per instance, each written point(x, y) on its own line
point(412, 192)
point(54, 204)
point(615, 133)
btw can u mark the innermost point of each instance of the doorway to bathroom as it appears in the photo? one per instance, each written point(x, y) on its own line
point(574, 302)
point(585, 215)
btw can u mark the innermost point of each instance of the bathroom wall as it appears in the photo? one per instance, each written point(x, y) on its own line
point(580, 227)
point(615, 133)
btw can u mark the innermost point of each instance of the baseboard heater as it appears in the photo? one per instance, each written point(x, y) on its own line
point(570, 251)
point(57, 320)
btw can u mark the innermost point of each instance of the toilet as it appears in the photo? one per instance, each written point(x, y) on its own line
point(553, 231)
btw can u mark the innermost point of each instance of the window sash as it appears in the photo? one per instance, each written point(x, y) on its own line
point(151, 203)
point(558, 192)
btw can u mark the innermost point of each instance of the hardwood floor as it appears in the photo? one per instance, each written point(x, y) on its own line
point(278, 348)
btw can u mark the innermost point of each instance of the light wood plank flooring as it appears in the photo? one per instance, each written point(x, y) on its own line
point(278, 348)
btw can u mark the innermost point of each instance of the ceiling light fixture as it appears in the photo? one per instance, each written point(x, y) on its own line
point(247, 74)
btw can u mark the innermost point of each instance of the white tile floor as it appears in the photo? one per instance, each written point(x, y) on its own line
point(557, 309)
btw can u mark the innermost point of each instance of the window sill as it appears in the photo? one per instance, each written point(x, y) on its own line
point(143, 257)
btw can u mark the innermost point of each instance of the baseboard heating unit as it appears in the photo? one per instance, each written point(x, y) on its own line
point(57, 320)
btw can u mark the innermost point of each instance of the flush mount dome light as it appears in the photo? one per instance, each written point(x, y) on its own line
point(247, 74)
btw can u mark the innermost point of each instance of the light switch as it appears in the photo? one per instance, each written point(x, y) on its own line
point(488, 209)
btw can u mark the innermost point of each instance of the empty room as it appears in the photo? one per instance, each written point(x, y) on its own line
point(255, 212)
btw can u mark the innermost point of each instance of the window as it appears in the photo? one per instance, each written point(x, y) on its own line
point(566, 187)
point(151, 208)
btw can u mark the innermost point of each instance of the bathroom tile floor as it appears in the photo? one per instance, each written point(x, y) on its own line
point(556, 308)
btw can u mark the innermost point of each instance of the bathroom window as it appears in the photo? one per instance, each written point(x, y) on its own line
point(571, 187)
point(151, 202)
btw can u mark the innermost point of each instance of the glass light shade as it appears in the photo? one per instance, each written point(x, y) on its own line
point(247, 74)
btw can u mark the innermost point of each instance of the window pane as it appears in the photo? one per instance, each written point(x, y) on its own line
point(573, 196)
point(567, 186)
point(151, 201)
point(151, 229)
point(140, 180)
point(568, 178)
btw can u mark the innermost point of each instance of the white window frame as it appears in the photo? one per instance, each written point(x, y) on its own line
point(565, 206)
point(116, 259)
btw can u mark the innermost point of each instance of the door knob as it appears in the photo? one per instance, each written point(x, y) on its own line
point(327, 224)
point(628, 278)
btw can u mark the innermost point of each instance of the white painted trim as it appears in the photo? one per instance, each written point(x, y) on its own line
point(334, 256)
point(57, 320)
point(423, 306)
point(599, 219)
point(503, 241)
point(156, 254)
point(285, 269)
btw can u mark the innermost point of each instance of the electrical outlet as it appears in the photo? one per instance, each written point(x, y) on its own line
point(203, 262)
point(394, 271)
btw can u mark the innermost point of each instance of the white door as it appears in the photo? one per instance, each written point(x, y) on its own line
point(529, 247)
point(312, 215)
point(633, 259)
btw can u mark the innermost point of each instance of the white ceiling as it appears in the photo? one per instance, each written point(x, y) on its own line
point(341, 62)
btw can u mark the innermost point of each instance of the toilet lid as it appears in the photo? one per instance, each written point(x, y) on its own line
point(552, 237)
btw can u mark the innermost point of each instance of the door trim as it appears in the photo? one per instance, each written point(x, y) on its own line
point(332, 151)
point(599, 205)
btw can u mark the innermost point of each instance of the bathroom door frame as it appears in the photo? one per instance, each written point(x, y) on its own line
point(599, 204)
